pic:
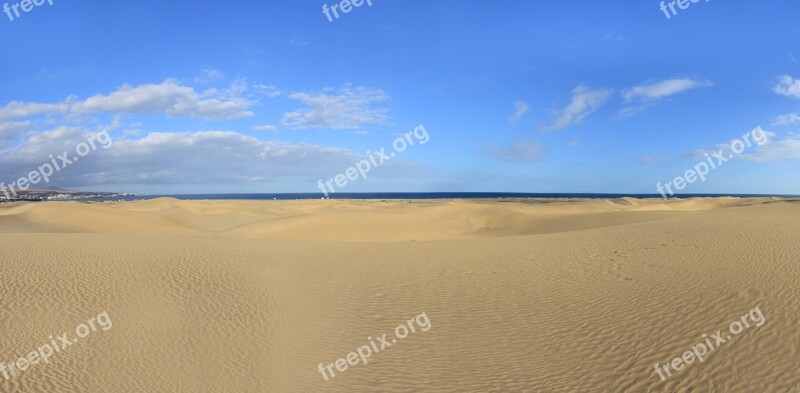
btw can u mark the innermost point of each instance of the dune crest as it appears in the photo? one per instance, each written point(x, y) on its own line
point(354, 221)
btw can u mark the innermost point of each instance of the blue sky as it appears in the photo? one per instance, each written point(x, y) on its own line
point(520, 96)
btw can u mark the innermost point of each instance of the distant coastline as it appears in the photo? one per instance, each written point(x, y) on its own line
point(60, 194)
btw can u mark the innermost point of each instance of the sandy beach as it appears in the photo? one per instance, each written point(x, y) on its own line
point(518, 295)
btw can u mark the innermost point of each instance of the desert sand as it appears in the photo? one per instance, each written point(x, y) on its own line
point(521, 295)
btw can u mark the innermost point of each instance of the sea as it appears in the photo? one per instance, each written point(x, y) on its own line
point(424, 195)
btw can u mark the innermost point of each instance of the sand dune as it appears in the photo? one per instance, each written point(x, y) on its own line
point(522, 295)
point(353, 221)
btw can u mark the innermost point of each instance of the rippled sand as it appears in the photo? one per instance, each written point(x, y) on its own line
point(522, 296)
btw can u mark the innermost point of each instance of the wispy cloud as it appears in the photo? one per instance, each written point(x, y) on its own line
point(348, 108)
point(298, 41)
point(778, 150)
point(772, 149)
point(787, 119)
point(661, 89)
point(520, 109)
point(641, 97)
point(651, 160)
point(269, 128)
point(584, 101)
point(270, 91)
point(518, 152)
point(788, 86)
point(208, 75)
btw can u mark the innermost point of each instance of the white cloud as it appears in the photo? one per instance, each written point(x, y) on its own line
point(521, 108)
point(202, 157)
point(187, 158)
point(269, 128)
point(584, 102)
point(787, 119)
point(780, 150)
point(658, 90)
point(9, 132)
point(517, 152)
point(209, 75)
point(346, 109)
point(168, 98)
point(270, 91)
point(771, 149)
point(788, 86)
point(237, 88)
point(641, 97)
point(19, 110)
point(776, 149)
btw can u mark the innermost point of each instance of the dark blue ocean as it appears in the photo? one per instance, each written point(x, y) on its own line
point(423, 195)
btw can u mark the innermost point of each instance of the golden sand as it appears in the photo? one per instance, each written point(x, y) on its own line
point(522, 295)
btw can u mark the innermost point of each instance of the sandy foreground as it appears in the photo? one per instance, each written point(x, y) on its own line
point(517, 295)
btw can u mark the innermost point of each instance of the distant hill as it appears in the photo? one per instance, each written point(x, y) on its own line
point(49, 189)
